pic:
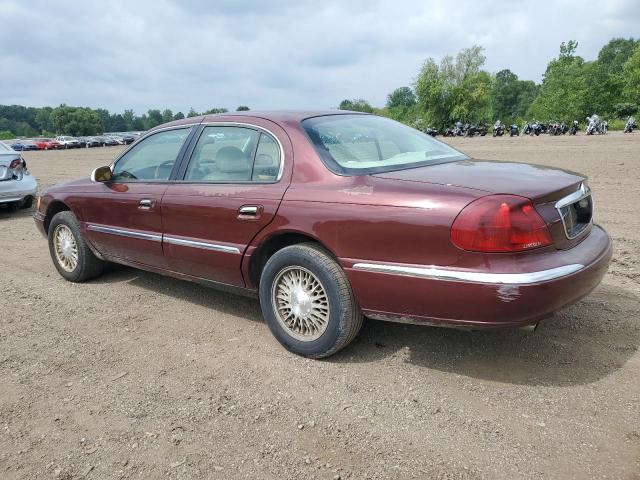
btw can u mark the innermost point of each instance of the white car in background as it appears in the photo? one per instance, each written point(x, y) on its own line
point(17, 186)
point(68, 142)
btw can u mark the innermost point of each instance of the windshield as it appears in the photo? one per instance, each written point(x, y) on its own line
point(365, 144)
point(5, 148)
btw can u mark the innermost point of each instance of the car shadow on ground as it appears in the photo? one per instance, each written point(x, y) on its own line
point(6, 214)
point(194, 293)
point(579, 345)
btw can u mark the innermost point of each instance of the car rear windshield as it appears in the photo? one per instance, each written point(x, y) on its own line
point(365, 144)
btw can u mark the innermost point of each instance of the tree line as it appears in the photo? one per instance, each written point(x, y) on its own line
point(460, 89)
point(20, 121)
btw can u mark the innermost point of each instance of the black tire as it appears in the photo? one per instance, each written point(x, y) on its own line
point(345, 317)
point(13, 206)
point(27, 202)
point(88, 265)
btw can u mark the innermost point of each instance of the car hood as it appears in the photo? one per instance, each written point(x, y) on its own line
point(76, 185)
point(536, 182)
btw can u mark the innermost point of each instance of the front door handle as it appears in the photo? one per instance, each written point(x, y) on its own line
point(250, 212)
point(145, 204)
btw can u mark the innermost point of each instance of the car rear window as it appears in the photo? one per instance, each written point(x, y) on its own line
point(364, 144)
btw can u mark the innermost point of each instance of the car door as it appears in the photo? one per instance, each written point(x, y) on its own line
point(123, 218)
point(231, 188)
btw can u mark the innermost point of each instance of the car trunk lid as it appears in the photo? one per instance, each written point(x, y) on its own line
point(568, 221)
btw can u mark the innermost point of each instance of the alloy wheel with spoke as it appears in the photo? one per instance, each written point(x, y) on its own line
point(300, 303)
point(66, 248)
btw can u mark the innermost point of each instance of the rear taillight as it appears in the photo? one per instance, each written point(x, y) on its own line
point(500, 223)
point(15, 163)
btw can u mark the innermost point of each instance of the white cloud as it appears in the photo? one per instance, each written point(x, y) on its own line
point(273, 54)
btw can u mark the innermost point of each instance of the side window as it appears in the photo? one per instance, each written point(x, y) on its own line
point(233, 154)
point(267, 164)
point(152, 159)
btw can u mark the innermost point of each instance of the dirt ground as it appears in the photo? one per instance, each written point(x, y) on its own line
point(135, 375)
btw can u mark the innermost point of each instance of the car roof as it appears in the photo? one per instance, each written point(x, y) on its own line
point(276, 116)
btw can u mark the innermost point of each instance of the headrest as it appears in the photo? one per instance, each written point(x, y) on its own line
point(264, 160)
point(231, 160)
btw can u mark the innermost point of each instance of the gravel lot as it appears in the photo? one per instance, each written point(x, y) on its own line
point(135, 375)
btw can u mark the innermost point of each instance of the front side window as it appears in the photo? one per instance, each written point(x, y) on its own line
point(152, 159)
point(366, 144)
point(233, 154)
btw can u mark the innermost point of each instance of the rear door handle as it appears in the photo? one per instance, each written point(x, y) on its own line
point(145, 204)
point(250, 211)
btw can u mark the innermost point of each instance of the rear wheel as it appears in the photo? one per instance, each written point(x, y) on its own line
point(307, 301)
point(71, 255)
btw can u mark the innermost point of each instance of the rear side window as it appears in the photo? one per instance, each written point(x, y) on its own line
point(228, 154)
point(267, 163)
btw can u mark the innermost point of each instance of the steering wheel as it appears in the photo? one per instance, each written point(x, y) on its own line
point(156, 174)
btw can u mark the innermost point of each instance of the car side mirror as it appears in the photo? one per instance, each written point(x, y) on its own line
point(101, 175)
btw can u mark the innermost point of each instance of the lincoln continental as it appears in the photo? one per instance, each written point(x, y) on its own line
point(329, 217)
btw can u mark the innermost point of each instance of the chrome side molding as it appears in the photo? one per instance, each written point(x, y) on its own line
point(203, 245)
point(124, 232)
point(435, 273)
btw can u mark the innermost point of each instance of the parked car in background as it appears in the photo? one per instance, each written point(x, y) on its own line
point(117, 138)
point(21, 145)
point(91, 142)
point(47, 143)
point(68, 142)
point(374, 218)
point(123, 138)
point(128, 138)
point(106, 141)
point(17, 185)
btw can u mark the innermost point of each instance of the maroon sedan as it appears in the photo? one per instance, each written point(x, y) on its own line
point(329, 216)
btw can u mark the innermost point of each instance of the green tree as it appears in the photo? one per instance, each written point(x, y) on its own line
point(178, 116)
point(76, 120)
point(167, 116)
point(511, 97)
point(118, 123)
point(401, 105)
point(192, 113)
point(214, 111)
point(564, 89)
point(454, 89)
point(505, 94)
point(105, 119)
point(631, 77)
point(43, 119)
point(129, 117)
point(153, 118)
point(402, 97)
point(242, 108)
point(356, 105)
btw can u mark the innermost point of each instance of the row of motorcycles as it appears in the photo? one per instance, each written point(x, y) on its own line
point(595, 126)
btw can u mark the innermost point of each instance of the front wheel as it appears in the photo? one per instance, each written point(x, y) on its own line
point(307, 301)
point(71, 255)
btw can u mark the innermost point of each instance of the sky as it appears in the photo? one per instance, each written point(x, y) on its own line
point(274, 54)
